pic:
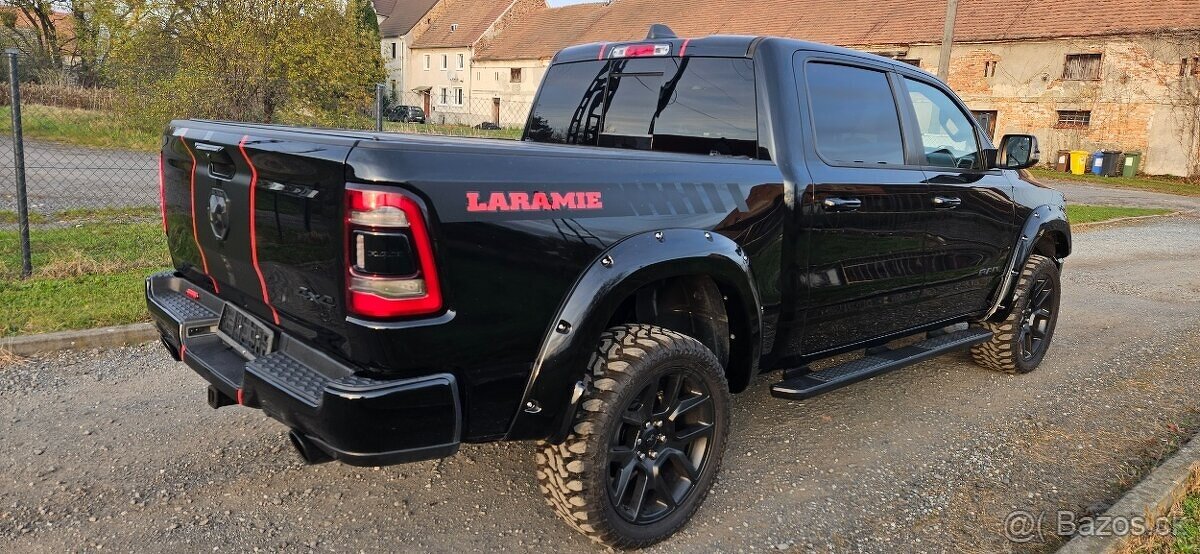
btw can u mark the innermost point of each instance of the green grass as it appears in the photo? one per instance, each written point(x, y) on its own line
point(1082, 213)
point(1186, 529)
point(85, 276)
point(1182, 536)
point(451, 130)
point(109, 214)
point(9, 217)
point(1169, 185)
point(81, 127)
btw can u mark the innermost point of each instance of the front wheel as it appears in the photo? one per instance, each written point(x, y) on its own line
point(647, 442)
point(1021, 340)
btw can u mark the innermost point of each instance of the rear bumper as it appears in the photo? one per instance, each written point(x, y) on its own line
point(354, 419)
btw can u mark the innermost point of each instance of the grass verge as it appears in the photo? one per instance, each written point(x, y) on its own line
point(81, 127)
point(1169, 185)
point(1183, 536)
point(76, 215)
point(1083, 213)
point(85, 276)
point(451, 130)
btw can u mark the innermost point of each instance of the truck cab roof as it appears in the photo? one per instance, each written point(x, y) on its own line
point(717, 46)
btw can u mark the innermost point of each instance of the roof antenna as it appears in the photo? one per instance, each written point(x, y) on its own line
point(660, 31)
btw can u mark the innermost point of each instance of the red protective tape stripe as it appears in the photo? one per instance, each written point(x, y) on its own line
point(195, 230)
point(262, 283)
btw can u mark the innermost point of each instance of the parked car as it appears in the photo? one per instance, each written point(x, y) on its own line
point(405, 114)
point(681, 217)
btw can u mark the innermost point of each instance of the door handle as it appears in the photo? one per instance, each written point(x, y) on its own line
point(841, 204)
point(946, 202)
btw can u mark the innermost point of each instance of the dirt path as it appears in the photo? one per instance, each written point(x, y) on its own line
point(118, 449)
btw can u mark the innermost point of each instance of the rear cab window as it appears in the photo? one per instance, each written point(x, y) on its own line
point(854, 115)
point(696, 105)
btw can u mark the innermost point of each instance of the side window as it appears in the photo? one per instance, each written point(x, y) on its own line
point(854, 114)
point(946, 132)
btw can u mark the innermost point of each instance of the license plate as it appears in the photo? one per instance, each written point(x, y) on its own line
point(245, 333)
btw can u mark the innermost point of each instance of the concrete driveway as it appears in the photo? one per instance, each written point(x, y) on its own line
point(117, 450)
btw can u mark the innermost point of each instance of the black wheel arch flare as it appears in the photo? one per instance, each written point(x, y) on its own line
point(556, 380)
point(1045, 225)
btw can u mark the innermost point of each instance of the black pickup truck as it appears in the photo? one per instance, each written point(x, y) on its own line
point(680, 216)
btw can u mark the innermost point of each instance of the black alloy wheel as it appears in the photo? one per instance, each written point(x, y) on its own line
point(661, 447)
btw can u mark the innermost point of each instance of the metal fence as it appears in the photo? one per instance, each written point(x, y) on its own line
point(80, 161)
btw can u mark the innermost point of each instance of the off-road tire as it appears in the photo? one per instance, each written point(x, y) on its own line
point(1003, 352)
point(573, 475)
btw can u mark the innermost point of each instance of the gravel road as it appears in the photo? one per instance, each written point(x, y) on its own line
point(1079, 193)
point(117, 450)
point(60, 177)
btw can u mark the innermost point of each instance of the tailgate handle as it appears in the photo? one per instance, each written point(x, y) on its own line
point(841, 204)
point(220, 164)
point(946, 202)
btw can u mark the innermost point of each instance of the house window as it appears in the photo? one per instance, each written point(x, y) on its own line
point(1189, 66)
point(989, 68)
point(1082, 67)
point(393, 50)
point(458, 96)
point(445, 61)
point(987, 120)
point(462, 61)
point(514, 75)
point(445, 96)
point(426, 62)
point(1074, 119)
point(393, 88)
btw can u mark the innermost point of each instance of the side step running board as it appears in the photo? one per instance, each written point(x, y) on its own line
point(809, 385)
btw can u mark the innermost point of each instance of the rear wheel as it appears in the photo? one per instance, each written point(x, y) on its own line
point(647, 442)
point(1021, 340)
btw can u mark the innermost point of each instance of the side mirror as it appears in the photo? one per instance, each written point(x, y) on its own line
point(1017, 152)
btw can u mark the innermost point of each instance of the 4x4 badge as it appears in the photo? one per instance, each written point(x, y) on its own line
point(218, 213)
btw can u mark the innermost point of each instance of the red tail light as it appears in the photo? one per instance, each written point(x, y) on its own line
point(162, 190)
point(389, 258)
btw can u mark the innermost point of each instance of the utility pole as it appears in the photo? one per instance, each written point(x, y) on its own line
point(947, 41)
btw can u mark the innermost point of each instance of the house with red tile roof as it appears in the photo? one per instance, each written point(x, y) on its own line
point(397, 20)
point(1080, 74)
point(438, 76)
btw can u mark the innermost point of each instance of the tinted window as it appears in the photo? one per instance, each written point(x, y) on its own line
point(695, 105)
point(569, 106)
point(854, 114)
point(946, 132)
point(635, 87)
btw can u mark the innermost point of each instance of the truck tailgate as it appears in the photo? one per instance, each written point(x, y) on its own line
point(255, 214)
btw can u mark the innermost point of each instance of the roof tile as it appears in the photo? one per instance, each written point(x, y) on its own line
point(842, 22)
point(461, 23)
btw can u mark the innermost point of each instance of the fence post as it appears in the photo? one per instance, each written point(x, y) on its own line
point(379, 106)
point(19, 163)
